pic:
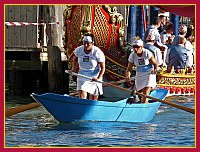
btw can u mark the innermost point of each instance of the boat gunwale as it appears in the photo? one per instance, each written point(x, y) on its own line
point(178, 85)
point(176, 75)
point(79, 102)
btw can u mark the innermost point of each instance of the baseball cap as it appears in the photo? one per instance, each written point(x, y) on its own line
point(138, 42)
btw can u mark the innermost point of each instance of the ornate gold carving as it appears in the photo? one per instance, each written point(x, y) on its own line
point(86, 20)
point(176, 81)
point(67, 14)
point(117, 19)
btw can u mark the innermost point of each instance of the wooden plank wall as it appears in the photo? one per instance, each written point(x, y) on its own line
point(22, 36)
point(59, 10)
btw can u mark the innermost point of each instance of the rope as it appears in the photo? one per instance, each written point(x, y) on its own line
point(27, 23)
point(121, 112)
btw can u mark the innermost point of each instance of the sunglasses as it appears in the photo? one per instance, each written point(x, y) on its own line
point(136, 46)
point(88, 43)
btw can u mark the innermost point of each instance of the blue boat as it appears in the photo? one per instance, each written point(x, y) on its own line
point(66, 108)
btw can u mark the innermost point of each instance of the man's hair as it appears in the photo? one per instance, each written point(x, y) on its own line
point(169, 26)
point(181, 40)
point(156, 20)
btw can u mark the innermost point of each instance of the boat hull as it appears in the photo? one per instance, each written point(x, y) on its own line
point(67, 109)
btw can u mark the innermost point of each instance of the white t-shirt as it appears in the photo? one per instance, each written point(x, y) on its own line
point(88, 66)
point(143, 76)
point(164, 37)
point(157, 54)
point(89, 61)
point(140, 61)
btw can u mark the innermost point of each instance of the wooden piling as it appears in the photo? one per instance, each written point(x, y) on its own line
point(55, 79)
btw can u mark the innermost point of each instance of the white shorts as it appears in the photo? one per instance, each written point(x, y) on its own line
point(93, 88)
point(84, 84)
point(148, 80)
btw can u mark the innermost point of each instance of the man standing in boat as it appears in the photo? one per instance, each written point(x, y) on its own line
point(145, 63)
point(91, 62)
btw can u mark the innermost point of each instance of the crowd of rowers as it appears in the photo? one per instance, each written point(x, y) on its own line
point(174, 52)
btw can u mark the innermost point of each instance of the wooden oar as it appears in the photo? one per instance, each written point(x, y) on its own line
point(127, 90)
point(15, 110)
point(18, 109)
point(169, 103)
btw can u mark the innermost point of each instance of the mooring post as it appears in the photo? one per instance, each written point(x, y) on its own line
point(55, 75)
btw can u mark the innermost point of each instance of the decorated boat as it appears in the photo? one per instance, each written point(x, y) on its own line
point(66, 108)
point(177, 83)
